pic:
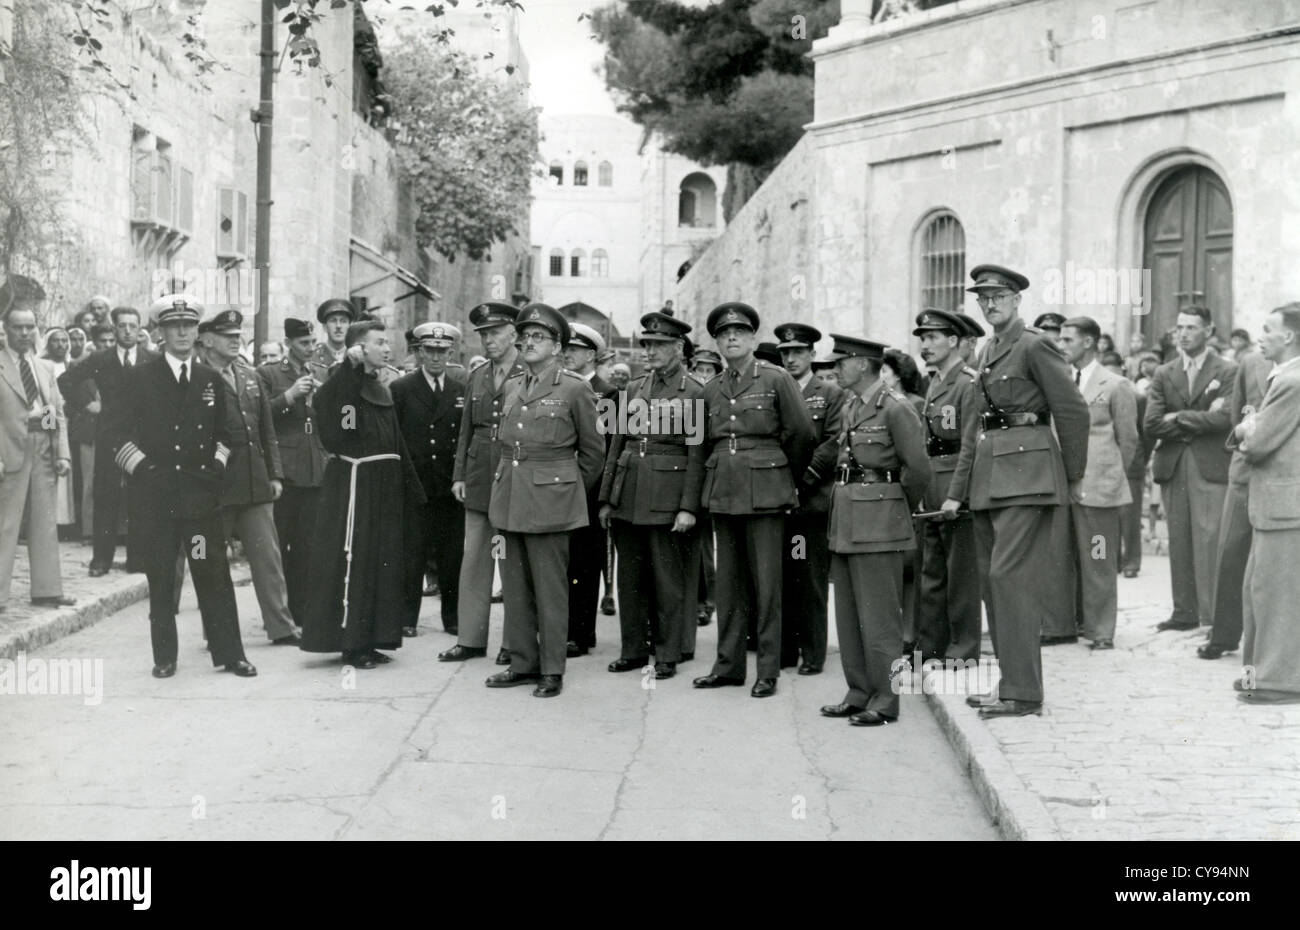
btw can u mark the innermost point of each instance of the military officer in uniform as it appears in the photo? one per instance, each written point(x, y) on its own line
point(948, 610)
point(881, 475)
point(705, 365)
point(1050, 325)
point(760, 439)
point(1016, 476)
point(649, 498)
point(970, 338)
point(805, 579)
point(430, 403)
point(289, 385)
point(253, 479)
point(171, 439)
point(551, 456)
point(477, 453)
point(335, 316)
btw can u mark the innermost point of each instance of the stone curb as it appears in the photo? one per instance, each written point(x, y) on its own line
point(1018, 813)
point(118, 594)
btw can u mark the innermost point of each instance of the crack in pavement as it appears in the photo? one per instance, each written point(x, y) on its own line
point(627, 769)
point(827, 790)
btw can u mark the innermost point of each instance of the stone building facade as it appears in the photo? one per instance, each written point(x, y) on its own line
point(1129, 158)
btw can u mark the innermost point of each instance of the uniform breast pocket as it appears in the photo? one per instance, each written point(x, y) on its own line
point(1013, 391)
point(667, 479)
point(554, 481)
point(758, 414)
point(551, 423)
point(879, 514)
point(1022, 463)
point(772, 486)
point(872, 447)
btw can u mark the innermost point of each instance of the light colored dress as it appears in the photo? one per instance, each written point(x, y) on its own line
point(64, 506)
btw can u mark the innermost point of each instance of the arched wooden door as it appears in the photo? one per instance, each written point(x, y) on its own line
point(1188, 247)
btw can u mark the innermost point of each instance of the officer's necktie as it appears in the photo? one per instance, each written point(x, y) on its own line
point(498, 375)
point(1077, 373)
point(184, 379)
point(126, 359)
point(437, 388)
point(29, 381)
point(229, 372)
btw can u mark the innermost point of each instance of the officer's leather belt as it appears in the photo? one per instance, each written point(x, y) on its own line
point(518, 453)
point(934, 446)
point(734, 444)
point(650, 447)
point(1008, 420)
point(851, 474)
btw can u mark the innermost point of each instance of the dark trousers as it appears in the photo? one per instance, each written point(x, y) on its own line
point(204, 545)
point(586, 560)
point(1021, 572)
point(948, 610)
point(804, 589)
point(295, 522)
point(1062, 622)
point(704, 524)
point(534, 580)
point(441, 537)
point(1234, 553)
point(110, 499)
point(869, 621)
point(749, 550)
point(658, 576)
point(1130, 527)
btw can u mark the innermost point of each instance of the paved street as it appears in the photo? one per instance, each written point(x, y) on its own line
point(422, 750)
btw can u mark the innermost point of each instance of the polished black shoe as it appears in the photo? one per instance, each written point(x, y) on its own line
point(288, 639)
point(359, 659)
point(716, 681)
point(55, 601)
point(379, 657)
point(1213, 650)
point(665, 670)
point(1172, 624)
point(764, 687)
point(97, 571)
point(809, 669)
point(549, 686)
point(1100, 644)
point(166, 670)
point(511, 679)
point(870, 718)
point(607, 605)
point(503, 657)
point(1057, 640)
point(459, 653)
point(410, 631)
point(243, 668)
point(841, 710)
point(980, 700)
point(1130, 573)
point(573, 650)
point(628, 665)
point(1010, 708)
point(687, 656)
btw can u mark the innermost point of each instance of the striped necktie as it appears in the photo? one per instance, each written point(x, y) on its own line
point(29, 381)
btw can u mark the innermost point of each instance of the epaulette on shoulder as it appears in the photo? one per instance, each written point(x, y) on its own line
point(477, 365)
point(969, 372)
point(893, 395)
point(517, 373)
point(455, 365)
point(572, 374)
point(1033, 329)
point(765, 364)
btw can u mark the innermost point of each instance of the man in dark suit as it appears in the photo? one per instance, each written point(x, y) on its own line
point(1188, 412)
point(430, 402)
point(587, 544)
point(169, 430)
point(290, 386)
point(108, 369)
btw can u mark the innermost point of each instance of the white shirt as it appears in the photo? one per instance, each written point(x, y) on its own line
point(123, 355)
point(1086, 372)
point(435, 381)
point(175, 364)
point(803, 382)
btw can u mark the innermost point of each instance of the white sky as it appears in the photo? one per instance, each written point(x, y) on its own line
point(562, 55)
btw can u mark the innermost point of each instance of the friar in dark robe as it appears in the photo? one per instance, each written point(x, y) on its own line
point(369, 493)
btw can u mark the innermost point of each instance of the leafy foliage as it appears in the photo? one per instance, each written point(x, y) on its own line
point(467, 143)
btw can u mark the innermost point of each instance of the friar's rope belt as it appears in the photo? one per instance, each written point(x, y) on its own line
point(352, 515)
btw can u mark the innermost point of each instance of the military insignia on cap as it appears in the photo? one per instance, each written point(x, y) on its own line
point(438, 332)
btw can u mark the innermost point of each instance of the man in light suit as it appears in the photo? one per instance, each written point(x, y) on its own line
point(1185, 414)
point(33, 452)
point(1270, 443)
point(1096, 502)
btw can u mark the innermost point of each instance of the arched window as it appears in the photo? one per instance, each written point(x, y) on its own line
point(941, 251)
point(605, 174)
point(600, 264)
point(557, 173)
point(697, 201)
point(580, 174)
point(578, 264)
point(557, 263)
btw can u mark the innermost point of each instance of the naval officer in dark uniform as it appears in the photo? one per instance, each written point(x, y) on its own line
point(881, 476)
point(760, 439)
point(1017, 477)
point(806, 577)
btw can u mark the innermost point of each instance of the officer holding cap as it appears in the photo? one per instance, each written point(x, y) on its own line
point(477, 454)
point(948, 609)
point(1016, 477)
point(430, 403)
point(171, 438)
point(649, 498)
point(290, 385)
point(760, 441)
point(880, 477)
point(803, 598)
point(253, 478)
point(551, 459)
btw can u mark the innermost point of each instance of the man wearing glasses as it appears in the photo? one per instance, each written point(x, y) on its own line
point(1015, 475)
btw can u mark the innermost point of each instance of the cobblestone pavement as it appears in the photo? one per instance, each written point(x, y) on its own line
point(1145, 742)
